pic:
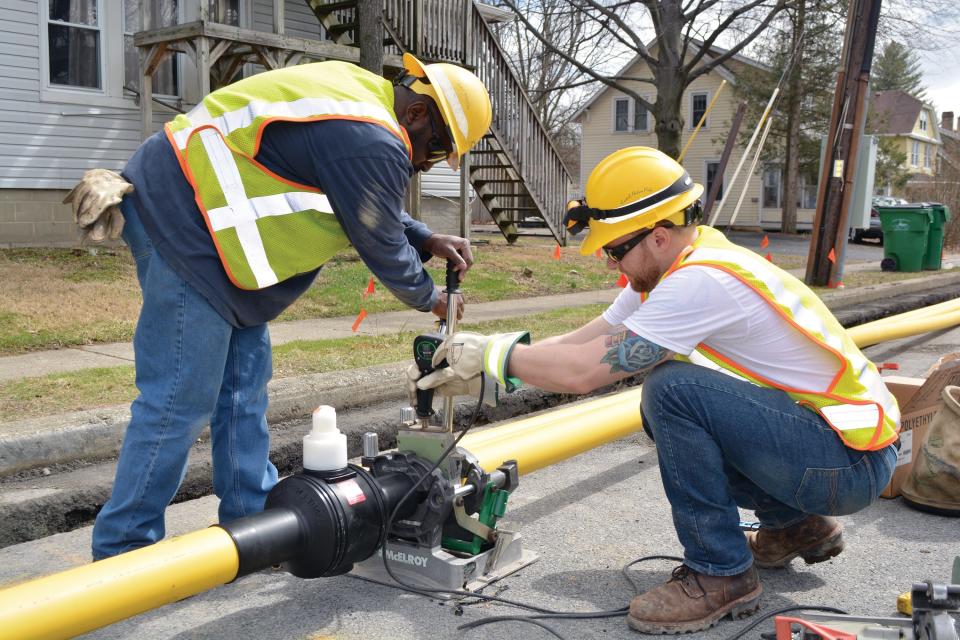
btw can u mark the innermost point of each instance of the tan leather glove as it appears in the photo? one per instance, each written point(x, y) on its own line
point(470, 354)
point(94, 200)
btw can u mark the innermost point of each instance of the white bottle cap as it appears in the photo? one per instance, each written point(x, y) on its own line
point(324, 448)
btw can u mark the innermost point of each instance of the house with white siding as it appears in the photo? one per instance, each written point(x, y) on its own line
point(69, 92)
point(611, 120)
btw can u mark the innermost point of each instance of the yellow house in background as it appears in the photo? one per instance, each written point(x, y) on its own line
point(611, 120)
point(911, 123)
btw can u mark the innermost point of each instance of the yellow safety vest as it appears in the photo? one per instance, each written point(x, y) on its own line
point(856, 404)
point(266, 228)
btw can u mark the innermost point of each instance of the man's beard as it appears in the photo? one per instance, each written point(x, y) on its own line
point(647, 279)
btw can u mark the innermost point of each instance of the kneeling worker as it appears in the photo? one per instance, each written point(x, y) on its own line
point(755, 395)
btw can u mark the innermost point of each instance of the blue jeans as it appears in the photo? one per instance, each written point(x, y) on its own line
point(192, 368)
point(724, 443)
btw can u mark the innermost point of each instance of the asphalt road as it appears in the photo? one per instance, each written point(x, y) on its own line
point(779, 243)
point(799, 245)
point(585, 517)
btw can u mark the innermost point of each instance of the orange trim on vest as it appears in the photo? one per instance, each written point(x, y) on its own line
point(196, 197)
point(185, 167)
point(783, 314)
point(829, 394)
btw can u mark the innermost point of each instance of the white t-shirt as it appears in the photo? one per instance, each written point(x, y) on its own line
point(700, 304)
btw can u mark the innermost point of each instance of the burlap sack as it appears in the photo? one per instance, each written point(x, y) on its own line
point(934, 481)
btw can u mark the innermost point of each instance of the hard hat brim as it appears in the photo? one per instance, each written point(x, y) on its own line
point(602, 233)
point(420, 70)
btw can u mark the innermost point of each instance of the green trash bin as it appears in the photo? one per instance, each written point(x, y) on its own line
point(940, 215)
point(905, 232)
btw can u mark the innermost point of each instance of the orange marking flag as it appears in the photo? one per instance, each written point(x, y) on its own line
point(769, 257)
point(556, 252)
point(832, 256)
point(599, 254)
point(370, 288)
point(765, 242)
point(360, 317)
point(623, 282)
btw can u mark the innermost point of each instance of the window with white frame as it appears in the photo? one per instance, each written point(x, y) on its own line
point(771, 187)
point(74, 43)
point(923, 120)
point(712, 176)
point(641, 118)
point(629, 115)
point(163, 13)
point(915, 153)
point(926, 156)
point(807, 196)
point(621, 114)
point(698, 107)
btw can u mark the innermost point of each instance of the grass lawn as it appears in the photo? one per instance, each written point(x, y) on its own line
point(93, 388)
point(55, 298)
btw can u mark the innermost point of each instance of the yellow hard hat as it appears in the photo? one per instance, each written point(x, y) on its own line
point(463, 101)
point(632, 189)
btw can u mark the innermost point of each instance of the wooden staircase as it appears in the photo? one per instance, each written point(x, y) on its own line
point(515, 169)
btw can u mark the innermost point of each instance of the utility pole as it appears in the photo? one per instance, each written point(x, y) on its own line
point(840, 160)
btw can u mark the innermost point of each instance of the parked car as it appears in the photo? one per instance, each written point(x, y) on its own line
point(533, 222)
point(874, 232)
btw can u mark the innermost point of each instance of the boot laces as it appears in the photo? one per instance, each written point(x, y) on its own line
point(685, 575)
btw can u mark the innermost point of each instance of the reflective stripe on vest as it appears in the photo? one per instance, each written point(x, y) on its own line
point(266, 228)
point(296, 110)
point(856, 403)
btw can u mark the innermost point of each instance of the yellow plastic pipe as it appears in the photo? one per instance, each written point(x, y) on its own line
point(924, 312)
point(73, 602)
point(562, 434)
point(883, 330)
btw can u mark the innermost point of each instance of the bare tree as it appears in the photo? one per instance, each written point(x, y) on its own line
point(931, 25)
point(683, 48)
point(370, 28)
point(556, 88)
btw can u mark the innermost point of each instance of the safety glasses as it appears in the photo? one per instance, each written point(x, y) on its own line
point(620, 251)
point(436, 150)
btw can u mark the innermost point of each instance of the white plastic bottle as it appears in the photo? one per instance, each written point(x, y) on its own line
point(324, 448)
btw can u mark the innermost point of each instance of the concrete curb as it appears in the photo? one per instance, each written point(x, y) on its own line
point(97, 434)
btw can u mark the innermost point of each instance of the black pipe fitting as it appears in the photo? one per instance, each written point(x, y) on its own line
point(320, 524)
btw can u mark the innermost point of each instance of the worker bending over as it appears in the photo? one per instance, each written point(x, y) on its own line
point(230, 212)
point(755, 395)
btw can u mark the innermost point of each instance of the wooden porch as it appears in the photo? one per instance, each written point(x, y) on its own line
point(515, 169)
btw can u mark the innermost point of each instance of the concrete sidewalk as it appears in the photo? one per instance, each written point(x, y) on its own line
point(121, 353)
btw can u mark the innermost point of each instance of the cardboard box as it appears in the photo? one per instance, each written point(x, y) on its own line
point(920, 399)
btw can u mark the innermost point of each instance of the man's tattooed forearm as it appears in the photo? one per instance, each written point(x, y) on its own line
point(631, 353)
point(617, 335)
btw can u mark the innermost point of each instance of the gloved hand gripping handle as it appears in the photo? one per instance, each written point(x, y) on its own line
point(424, 346)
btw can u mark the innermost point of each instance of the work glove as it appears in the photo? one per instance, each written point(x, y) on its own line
point(470, 354)
point(94, 200)
point(455, 387)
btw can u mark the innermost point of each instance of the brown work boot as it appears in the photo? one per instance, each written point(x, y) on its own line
point(692, 601)
point(815, 539)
